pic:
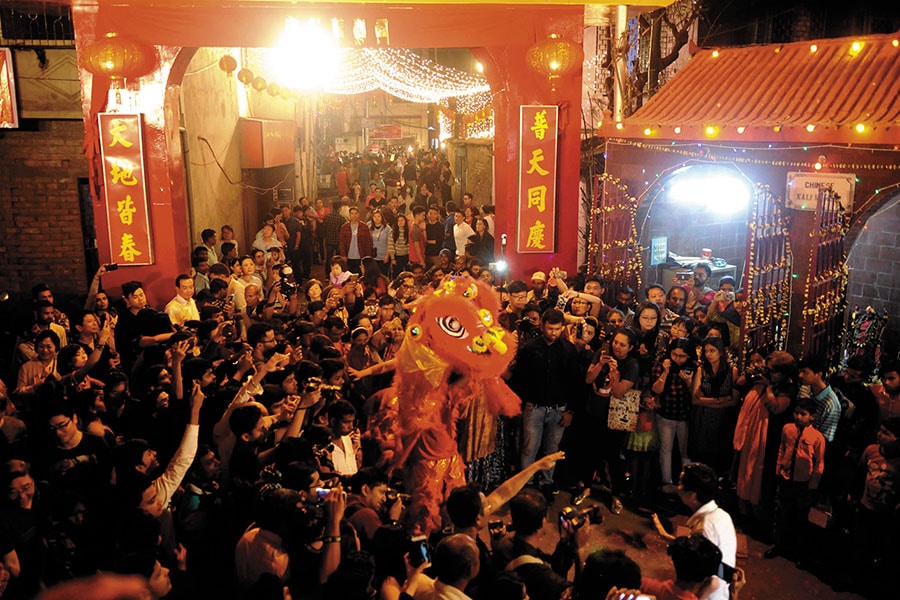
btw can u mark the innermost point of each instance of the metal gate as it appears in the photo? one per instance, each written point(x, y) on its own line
point(826, 282)
point(613, 251)
point(767, 276)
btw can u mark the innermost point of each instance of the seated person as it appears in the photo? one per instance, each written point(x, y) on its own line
point(604, 570)
point(696, 561)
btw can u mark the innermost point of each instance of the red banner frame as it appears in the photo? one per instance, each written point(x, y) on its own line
point(9, 112)
point(538, 152)
point(125, 184)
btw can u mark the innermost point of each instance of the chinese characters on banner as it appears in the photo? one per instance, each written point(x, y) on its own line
point(538, 135)
point(124, 178)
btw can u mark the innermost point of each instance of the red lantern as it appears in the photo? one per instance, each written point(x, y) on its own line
point(228, 64)
point(554, 58)
point(273, 89)
point(245, 76)
point(259, 84)
point(118, 58)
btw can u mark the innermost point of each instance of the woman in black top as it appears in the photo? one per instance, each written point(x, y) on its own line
point(613, 372)
point(481, 243)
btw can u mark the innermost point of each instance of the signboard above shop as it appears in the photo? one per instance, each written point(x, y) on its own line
point(388, 131)
point(803, 189)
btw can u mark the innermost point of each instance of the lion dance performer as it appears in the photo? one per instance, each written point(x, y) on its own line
point(454, 352)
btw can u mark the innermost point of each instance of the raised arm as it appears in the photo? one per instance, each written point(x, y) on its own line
point(514, 484)
point(95, 288)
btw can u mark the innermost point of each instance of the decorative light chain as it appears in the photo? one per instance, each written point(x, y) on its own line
point(399, 72)
point(730, 154)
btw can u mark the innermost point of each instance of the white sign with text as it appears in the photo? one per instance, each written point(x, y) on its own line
point(803, 189)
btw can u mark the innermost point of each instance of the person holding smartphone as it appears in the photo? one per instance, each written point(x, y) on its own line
point(725, 308)
point(672, 380)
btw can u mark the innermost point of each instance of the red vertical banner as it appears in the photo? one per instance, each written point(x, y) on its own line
point(538, 147)
point(9, 116)
point(125, 181)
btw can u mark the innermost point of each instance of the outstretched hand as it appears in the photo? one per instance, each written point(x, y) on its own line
point(549, 461)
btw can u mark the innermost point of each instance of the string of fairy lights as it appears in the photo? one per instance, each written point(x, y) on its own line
point(399, 72)
point(457, 95)
point(474, 112)
point(734, 154)
point(825, 286)
point(768, 273)
point(618, 258)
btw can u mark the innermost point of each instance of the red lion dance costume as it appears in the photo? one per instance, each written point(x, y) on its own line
point(453, 352)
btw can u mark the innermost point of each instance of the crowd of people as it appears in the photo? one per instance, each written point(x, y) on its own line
point(223, 443)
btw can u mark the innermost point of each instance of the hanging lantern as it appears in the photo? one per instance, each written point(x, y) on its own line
point(118, 58)
point(285, 93)
point(245, 76)
point(554, 58)
point(274, 89)
point(228, 63)
point(259, 84)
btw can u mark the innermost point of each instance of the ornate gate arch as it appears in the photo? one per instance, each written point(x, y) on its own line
point(767, 276)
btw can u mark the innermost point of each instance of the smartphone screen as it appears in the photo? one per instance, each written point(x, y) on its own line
point(418, 552)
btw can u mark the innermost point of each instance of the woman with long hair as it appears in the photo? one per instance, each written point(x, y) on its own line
point(398, 246)
point(372, 279)
point(713, 397)
point(764, 411)
point(652, 341)
point(613, 372)
point(481, 243)
point(672, 378)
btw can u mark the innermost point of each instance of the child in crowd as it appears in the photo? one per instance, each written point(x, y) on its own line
point(801, 462)
point(339, 273)
point(875, 531)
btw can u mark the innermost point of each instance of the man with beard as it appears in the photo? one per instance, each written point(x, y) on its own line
point(698, 290)
point(43, 321)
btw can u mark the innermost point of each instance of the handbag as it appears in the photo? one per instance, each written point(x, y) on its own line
point(623, 412)
point(820, 515)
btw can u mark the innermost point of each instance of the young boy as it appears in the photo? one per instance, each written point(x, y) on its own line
point(873, 534)
point(887, 393)
point(828, 408)
point(801, 462)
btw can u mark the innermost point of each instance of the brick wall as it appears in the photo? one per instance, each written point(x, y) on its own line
point(874, 266)
point(40, 222)
point(690, 230)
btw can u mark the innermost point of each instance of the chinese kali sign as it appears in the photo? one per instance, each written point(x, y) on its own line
point(537, 179)
point(124, 178)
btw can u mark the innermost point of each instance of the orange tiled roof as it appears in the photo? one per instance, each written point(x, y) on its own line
point(814, 91)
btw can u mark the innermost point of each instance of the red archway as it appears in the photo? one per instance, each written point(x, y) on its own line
point(498, 35)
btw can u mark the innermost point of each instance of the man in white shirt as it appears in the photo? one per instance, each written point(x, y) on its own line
point(461, 232)
point(697, 488)
point(342, 420)
point(182, 307)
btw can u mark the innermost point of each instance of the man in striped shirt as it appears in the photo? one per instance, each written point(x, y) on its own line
point(828, 407)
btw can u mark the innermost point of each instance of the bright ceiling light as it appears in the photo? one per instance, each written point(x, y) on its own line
point(717, 190)
point(306, 56)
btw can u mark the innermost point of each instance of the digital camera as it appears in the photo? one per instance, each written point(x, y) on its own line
point(578, 517)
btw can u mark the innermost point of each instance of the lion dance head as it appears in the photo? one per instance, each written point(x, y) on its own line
point(453, 355)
